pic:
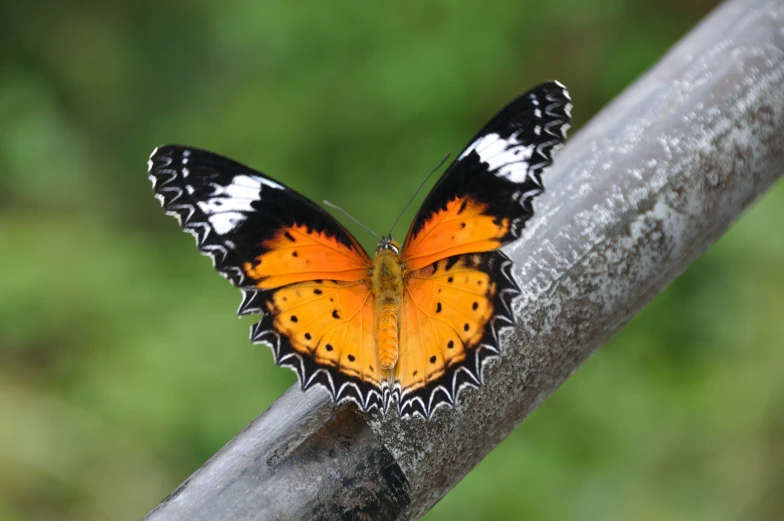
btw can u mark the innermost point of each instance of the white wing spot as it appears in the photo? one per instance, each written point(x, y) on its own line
point(236, 196)
point(244, 187)
point(228, 205)
point(225, 222)
point(505, 157)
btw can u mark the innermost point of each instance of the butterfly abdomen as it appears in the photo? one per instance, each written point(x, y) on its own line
point(387, 284)
point(387, 336)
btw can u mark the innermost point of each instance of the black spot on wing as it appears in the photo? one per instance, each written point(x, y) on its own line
point(451, 261)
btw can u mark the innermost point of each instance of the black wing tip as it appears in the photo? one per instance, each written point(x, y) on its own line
point(559, 99)
point(558, 108)
point(552, 106)
point(164, 155)
point(168, 167)
point(553, 90)
point(554, 101)
point(171, 149)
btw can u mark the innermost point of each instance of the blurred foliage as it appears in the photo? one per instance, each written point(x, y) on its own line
point(122, 367)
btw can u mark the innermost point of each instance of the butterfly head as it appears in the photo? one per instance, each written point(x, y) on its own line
point(387, 243)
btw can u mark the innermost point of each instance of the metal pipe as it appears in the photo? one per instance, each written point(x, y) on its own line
point(633, 199)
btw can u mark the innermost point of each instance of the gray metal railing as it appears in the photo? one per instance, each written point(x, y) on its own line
point(633, 199)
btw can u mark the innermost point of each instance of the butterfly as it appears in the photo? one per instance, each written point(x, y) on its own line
point(415, 324)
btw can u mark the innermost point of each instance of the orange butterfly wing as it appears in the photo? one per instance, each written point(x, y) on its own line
point(326, 332)
point(459, 290)
point(461, 226)
point(296, 265)
point(296, 254)
point(452, 313)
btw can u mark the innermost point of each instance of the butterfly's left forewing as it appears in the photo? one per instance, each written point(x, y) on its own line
point(296, 265)
point(484, 198)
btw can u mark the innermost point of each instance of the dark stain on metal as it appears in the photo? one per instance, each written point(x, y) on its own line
point(369, 484)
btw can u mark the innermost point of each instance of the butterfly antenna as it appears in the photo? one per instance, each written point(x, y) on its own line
point(417, 191)
point(344, 212)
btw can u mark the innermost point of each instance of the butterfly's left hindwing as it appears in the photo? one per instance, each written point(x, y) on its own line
point(296, 265)
point(453, 312)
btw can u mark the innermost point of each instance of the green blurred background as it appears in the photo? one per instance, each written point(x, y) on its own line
point(122, 365)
